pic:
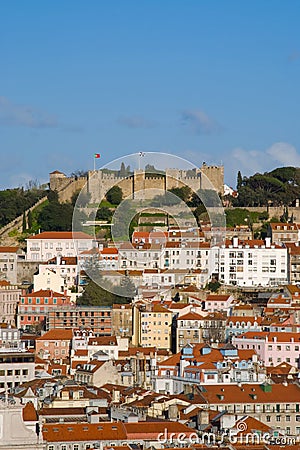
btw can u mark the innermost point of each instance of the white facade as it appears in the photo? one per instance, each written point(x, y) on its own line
point(47, 245)
point(251, 263)
point(8, 263)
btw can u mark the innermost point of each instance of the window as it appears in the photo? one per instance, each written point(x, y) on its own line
point(278, 418)
point(288, 418)
point(268, 418)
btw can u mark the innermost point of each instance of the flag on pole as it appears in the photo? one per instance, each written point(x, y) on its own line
point(97, 155)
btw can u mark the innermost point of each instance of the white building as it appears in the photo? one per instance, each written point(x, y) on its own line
point(8, 263)
point(251, 263)
point(50, 244)
point(65, 267)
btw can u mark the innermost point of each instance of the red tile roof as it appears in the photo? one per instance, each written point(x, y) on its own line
point(72, 432)
point(45, 293)
point(9, 249)
point(62, 235)
point(29, 413)
point(57, 334)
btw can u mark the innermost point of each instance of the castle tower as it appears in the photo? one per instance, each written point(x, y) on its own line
point(57, 180)
point(215, 174)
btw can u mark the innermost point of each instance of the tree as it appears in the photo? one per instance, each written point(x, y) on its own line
point(29, 219)
point(114, 195)
point(176, 297)
point(239, 181)
point(213, 286)
point(56, 217)
point(126, 288)
point(24, 222)
point(95, 294)
point(184, 193)
point(52, 196)
point(81, 198)
point(123, 170)
point(104, 213)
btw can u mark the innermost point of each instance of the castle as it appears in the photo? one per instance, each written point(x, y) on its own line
point(97, 182)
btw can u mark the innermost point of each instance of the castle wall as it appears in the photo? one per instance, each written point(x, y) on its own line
point(65, 193)
point(98, 183)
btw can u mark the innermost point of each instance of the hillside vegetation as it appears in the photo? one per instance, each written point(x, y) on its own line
point(278, 187)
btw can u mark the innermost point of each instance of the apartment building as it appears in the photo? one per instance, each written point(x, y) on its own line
point(34, 307)
point(275, 405)
point(121, 320)
point(55, 344)
point(51, 244)
point(8, 263)
point(272, 347)
point(97, 318)
point(16, 364)
point(283, 232)
point(293, 261)
point(9, 299)
point(152, 326)
point(65, 267)
point(203, 365)
point(251, 263)
point(188, 329)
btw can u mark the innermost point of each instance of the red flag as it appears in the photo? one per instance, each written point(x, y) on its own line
point(97, 155)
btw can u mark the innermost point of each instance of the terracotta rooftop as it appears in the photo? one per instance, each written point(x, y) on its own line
point(61, 235)
point(6, 249)
point(29, 413)
point(57, 334)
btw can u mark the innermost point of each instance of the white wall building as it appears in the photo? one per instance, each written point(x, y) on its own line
point(50, 244)
point(251, 263)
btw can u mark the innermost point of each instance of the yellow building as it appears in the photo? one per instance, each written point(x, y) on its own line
point(152, 326)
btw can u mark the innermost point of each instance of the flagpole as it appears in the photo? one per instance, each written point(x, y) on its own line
point(94, 163)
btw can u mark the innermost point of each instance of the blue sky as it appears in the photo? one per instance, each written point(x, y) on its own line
point(214, 81)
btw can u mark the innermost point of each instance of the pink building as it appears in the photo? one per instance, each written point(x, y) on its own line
point(215, 302)
point(33, 308)
point(55, 344)
point(272, 348)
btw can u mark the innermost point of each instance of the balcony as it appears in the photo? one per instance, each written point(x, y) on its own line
point(35, 249)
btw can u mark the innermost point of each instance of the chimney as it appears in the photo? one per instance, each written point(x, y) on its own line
point(235, 241)
point(268, 242)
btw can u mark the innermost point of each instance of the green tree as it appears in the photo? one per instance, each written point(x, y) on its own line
point(104, 213)
point(114, 195)
point(123, 173)
point(126, 288)
point(29, 219)
point(81, 198)
point(24, 222)
point(239, 181)
point(96, 295)
point(184, 193)
point(213, 286)
point(56, 217)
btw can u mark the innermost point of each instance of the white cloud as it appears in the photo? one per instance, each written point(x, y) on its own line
point(199, 122)
point(135, 122)
point(21, 115)
point(286, 154)
point(250, 162)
